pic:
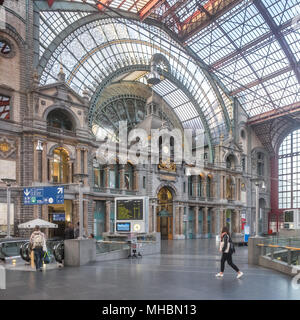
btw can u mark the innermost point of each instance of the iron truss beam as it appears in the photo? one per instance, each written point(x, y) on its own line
point(149, 8)
point(271, 127)
point(276, 113)
point(279, 37)
point(189, 28)
point(260, 80)
point(252, 45)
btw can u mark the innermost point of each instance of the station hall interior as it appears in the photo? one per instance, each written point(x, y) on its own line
point(227, 71)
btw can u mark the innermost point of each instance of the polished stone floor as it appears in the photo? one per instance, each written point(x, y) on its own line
point(184, 270)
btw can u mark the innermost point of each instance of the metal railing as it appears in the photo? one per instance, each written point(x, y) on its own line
point(109, 246)
point(286, 250)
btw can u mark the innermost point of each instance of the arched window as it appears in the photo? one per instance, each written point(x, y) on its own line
point(230, 162)
point(60, 119)
point(99, 174)
point(114, 176)
point(190, 185)
point(260, 164)
point(199, 187)
point(4, 107)
point(172, 151)
point(5, 48)
point(60, 166)
point(208, 187)
point(129, 176)
point(289, 171)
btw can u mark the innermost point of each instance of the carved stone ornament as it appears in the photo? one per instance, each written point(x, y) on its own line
point(7, 148)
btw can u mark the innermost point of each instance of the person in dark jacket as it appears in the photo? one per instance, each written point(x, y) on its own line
point(69, 231)
point(227, 249)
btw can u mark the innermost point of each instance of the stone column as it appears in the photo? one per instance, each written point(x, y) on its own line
point(78, 160)
point(177, 227)
point(154, 207)
point(221, 187)
point(150, 217)
point(181, 220)
point(70, 172)
point(122, 176)
point(213, 221)
point(85, 217)
point(196, 226)
point(194, 186)
point(135, 179)
point(205, 226)
point(44, 163)
point(107, 215)
point(106, 173)
point(86, 179)
point(204, 191)
point(236, 221)
point(221, 219)
point(35, 161)
point(93, 214)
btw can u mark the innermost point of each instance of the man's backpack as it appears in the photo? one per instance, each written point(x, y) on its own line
point(38, 241)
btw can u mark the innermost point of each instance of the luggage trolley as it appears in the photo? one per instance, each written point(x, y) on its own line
point(135, 247)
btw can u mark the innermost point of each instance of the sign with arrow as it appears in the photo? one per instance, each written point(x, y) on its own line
point(43, 195)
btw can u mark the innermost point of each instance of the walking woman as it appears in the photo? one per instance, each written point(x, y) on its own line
point(227, 249)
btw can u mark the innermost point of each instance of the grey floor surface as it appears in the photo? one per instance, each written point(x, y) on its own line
point(184, 270)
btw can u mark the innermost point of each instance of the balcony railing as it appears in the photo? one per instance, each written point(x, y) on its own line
point(61, 131)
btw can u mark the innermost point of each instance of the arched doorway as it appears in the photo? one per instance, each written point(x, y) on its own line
point(165, 213)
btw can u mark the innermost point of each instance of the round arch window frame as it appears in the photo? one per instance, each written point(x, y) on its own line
point(12, 52)
point(67, 114)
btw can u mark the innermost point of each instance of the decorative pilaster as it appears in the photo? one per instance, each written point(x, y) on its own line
point(86, 179)
point(181, 220)
point(221, 219)
point(194, 186)
point(196, 214)
point(177, 220)
point(44, 163)
point(85, 216)
point(35, 161)
point(78, 160)
point(150, 218)
point(122, 176)
point(106, 172)
point(154, 209)
point(213, 221)
point(135, 179)
point(107, 215)
point(205, 226)
point(70, 172)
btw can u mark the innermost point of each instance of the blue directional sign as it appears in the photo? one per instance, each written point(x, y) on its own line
point(43, 195)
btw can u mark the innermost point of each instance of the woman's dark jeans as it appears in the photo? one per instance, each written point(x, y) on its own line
point(38, 257)
point(228, 257)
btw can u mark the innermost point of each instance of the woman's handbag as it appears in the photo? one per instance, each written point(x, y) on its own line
point(46, 257)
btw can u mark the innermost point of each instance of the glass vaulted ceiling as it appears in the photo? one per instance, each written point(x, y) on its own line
point(253, 50)
point(243, 51)
point(93, 51)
